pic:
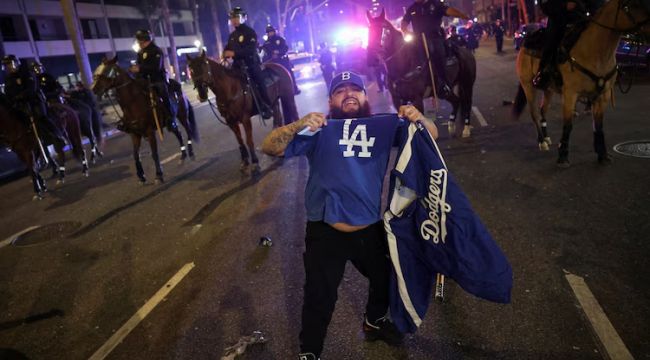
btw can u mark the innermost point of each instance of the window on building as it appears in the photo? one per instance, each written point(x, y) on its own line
point(48, 28)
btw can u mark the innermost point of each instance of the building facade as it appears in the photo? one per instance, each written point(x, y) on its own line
point(35, 30)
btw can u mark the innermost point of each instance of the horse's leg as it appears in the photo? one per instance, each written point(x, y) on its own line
point(248, 128)
point(137, 140)
point(568, 105)
point(179, 137)
point(30, 160)
point(60, 154)
point(153, 144)
point(531, 95)
point(597, 111)
point(52, 163)
point(548, 94)
point(242, 148)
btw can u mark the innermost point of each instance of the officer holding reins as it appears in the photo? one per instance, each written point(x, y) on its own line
point(425, 16)
point(242, 48)
point(151, 66)
point(22, 91)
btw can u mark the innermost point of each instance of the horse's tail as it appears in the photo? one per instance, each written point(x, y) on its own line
point(519, 103)
point(193, 131)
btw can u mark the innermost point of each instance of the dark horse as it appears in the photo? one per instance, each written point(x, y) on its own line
point(138, 119)
point(235, 102)
point(407, 83)
point(16, 132)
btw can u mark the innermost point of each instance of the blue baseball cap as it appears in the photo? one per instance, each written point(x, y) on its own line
point(346, 77)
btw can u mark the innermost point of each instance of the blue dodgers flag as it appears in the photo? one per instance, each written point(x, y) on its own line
point(431, 228)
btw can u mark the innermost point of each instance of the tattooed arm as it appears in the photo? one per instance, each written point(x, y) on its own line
point(277, 140)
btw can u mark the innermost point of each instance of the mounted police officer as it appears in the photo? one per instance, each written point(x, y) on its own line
point(275, 50)
point(242, 48)
point(50, 86)
point(561, 13)
point(425, 16)
point(150, 66)
point(22, 91)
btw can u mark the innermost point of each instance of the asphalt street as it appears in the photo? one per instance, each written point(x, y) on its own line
point(179, 264)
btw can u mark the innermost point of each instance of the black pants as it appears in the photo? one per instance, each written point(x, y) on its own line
point(255, 73)
point(499, 40)
point(438, 56)
point(327, 252)
point(162, 90)
point(554, 33)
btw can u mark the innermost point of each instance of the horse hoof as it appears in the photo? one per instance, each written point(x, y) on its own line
point(563, 164)
point(256, 170)
point(604, 160)
point(37, 197)
point(243, 167)
point(86, 173)
point(466, 131)
point(192, 157)
point(543, 146)
point(60, 181)
point(548, 141)
point(159, 180)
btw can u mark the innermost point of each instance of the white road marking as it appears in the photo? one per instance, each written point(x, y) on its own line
point(12, 238)
point(120, 334)
point(170, 158)
point(479, 116)
point(609, 339)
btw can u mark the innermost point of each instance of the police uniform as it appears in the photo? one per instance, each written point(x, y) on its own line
point(50, 87)
point(275, 50)
point(22, 90)
point(326, 61)
point(152, 67)
point(243, 42)
point(426, 18)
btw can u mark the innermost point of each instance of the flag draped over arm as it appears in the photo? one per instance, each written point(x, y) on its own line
point(431, 228)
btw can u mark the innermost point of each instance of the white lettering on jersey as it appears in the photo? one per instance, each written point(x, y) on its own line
point(435, 227)
point(353, 140)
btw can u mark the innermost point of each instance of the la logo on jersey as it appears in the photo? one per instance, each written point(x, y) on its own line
point(359, 137)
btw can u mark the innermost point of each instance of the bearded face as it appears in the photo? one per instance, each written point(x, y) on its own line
point(349, 101)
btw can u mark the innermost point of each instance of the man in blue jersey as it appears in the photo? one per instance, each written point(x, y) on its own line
point(343, 207)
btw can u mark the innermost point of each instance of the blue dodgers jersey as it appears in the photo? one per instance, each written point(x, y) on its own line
point(347, 164)
point(431, 228)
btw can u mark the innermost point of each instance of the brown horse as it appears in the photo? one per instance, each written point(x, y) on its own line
point(16, 132)
point(588, 75)
point(138, 120)
point(236, 103)
point(408, 85)
point(66, 118)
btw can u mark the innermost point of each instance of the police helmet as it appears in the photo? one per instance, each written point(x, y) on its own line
point(270, 28)
point(10, 63)
point(143, 35)
point(238, 12)
point(37, 67)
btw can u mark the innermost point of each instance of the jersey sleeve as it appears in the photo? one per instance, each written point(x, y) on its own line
point(301, 145)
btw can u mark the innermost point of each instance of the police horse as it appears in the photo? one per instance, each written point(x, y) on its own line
point(588, 74)
point(235, 101)
point(138, 118)
point(19, 135)
point(408, 79)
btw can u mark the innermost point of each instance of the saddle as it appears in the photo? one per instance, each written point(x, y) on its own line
point(534, 41)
